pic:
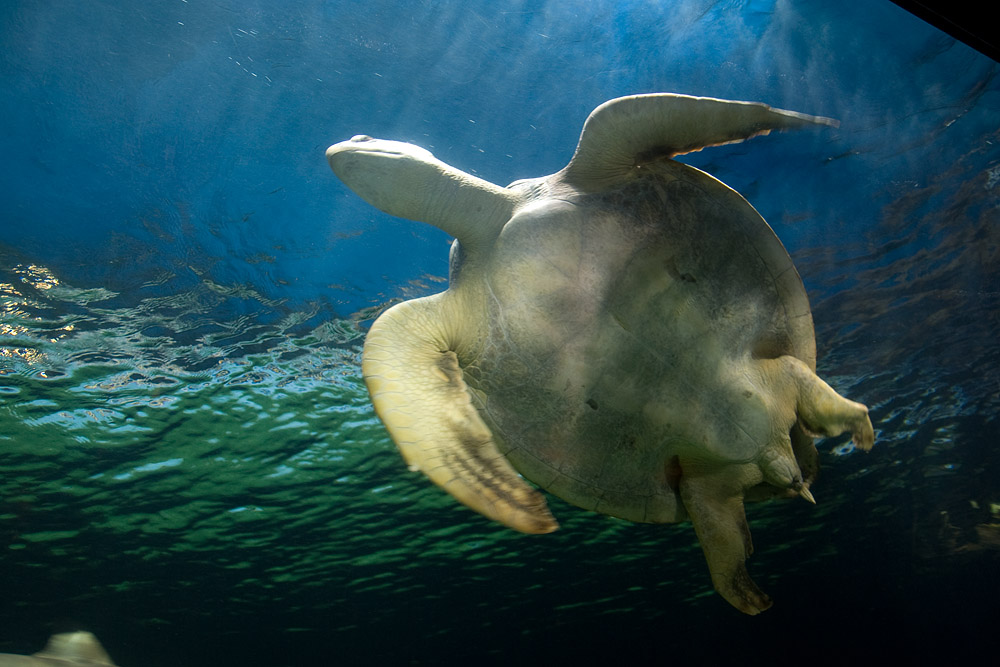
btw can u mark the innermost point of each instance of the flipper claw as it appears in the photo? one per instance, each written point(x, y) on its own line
point(807, 494)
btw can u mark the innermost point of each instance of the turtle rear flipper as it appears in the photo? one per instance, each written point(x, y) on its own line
point(714, 501)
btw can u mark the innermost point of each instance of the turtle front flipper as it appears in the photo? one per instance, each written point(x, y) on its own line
point(714, 501)
point(419, 393)
point(626, 133)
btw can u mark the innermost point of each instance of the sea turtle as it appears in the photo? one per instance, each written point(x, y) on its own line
point(627, 333)
point(63, 650)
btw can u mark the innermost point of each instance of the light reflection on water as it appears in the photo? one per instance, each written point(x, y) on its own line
point(258, 464)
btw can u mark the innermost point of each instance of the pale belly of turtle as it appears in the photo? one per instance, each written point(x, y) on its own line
point(622, 342)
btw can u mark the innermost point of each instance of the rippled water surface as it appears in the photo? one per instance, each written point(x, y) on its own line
point(189, 464)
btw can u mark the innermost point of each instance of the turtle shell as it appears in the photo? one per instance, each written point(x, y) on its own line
point(621, 334)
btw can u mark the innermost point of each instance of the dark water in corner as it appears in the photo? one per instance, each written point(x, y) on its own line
point(189, 466)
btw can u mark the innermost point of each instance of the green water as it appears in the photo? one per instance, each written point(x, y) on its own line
point(199, 479)
point(160, 471)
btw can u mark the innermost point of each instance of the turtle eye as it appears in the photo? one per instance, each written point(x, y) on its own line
point(359, 138)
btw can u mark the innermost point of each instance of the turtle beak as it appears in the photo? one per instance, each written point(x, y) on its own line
point(355, 143)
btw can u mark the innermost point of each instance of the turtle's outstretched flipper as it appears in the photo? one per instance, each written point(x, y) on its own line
point(420, 395)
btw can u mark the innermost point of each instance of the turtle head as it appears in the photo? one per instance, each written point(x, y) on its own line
point(385, 173)
point(408, 181)
point(374, 151)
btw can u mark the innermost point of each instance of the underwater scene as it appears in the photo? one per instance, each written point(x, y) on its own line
point(191, 468)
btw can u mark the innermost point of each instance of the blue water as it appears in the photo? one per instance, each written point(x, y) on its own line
point(189, 465)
